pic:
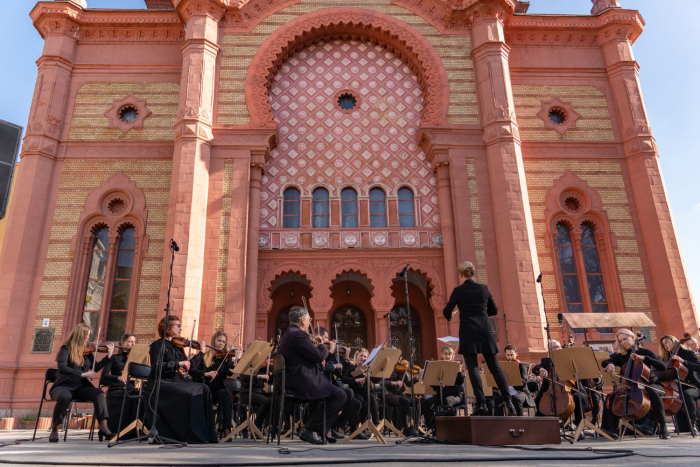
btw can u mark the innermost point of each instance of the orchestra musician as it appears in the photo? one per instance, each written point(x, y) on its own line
point(687, 358)
point(451, 395)
point(396, 395)
point(358, 384)
point(114, 377)
point(333, 368)
point(626, 342)
point(519, 394)
point(212, 370)
point(304, 377)
point(74, 381)
point(185, 408)
point(692, 345)
point(476, 304)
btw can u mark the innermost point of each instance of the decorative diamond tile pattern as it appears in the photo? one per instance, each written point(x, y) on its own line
point(375, 142)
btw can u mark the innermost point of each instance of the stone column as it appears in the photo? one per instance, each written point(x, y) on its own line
point(517, 254)
point(676, 311)
point(257, 162)
point(190, 181)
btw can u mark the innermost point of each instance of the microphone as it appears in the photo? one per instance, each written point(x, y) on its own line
point(539, 279)
point(173, 245)
point(404, 270)
point(386, 315)
point(560, 317)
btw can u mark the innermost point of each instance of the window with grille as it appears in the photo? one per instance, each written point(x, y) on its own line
point(291, 209)
point(320, 209)
point(348, 208)
point(406, 213)
point(377, 207)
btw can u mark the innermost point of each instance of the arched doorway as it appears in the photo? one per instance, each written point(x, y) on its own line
point(399, 332)
point(352, 326)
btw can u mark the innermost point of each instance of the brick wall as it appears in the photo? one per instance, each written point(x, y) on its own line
point(225, 227)
point(78, 179)
point(606, 178)
point(593, 125)
point(476, 224)
point(94, 99)
point(238, 50)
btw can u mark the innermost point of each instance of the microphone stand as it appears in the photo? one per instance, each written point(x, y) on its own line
point(153, 435)
point(413, 431)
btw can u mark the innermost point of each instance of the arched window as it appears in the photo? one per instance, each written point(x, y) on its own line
point(320, 209)
point(406, 214)
point(291, 209)
point(119, 307)
point(97, 275)
point(581, 270)
point(377, 208)
point(399, 331)
point(348, 208)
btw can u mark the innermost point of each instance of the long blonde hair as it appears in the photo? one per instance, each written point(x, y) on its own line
point(76, 343)
point(211, 353)
point(665, 354)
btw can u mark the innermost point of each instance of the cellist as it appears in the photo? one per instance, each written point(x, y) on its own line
point(626, 342)
point(687, 358)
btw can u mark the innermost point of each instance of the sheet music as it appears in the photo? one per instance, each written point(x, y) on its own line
point(373, 354)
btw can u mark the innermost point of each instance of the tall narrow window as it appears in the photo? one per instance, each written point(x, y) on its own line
point(320, 209)
point(96, 279)
point(569, 273)
point(122, 285)
point(377, 208)
point(406, 214)
point(348, 208)
point(291, 209)
point(594, 273)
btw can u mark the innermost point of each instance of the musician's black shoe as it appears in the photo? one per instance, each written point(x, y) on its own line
point(510, 410)
point(362, 435)
point(331, 440)
point(337, 435)
point(481, 410)
point(310, 436)
point(664, 434)
point(647, 428)
point(612, 434)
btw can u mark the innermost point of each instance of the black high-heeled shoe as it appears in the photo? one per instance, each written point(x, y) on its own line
point(53, 439)
point(108, 436)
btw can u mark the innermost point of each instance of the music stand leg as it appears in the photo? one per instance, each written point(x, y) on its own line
point(254, 431)
point(367, 424)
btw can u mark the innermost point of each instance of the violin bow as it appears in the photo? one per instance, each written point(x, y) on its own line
point(97, 340)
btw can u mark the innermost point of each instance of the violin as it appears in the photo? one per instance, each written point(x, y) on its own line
point(402, 367)
point(672, 399)
point(631, 401)
point(192, 344)
point(221, 354)
point(101, 348)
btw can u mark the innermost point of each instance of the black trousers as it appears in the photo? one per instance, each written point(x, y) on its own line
point(428, 407)
point(475, 378)
point(373, 406)
point(224, 410)
point(403, 404)
point(351, 410)
point(334, 402)
point(89, 393)
point(262, 402)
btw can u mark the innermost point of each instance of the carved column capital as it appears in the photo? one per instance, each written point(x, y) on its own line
point(214, 9)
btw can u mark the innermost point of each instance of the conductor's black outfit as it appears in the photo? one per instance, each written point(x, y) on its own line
point(70, 385)
point(476, 304)
point(305, 380)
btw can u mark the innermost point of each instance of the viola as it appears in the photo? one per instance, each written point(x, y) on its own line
point(672, 399)
point(631, 401)
point(101, 348)
point(402, 367)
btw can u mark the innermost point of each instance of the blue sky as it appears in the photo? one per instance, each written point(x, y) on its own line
point(669, 67)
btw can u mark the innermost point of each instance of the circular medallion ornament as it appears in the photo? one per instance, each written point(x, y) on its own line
point(262, 240)
point(409, 239)
point(379, 240)
point(350, 240)
point(291, 240)
point(320, 240)
point(437, 239)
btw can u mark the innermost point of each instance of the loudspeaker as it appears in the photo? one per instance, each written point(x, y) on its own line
point(10, 137)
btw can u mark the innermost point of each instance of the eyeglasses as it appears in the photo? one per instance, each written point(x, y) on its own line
point(177, 324)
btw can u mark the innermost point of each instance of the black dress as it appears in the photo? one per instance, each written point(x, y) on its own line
point(185, 408)
point(111, 372)
point(218, 387)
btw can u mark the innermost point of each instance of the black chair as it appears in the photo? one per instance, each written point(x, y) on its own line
point(138, 373)
point(234, 386)
point(50, 377)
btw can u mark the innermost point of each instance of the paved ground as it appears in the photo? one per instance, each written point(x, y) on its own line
point(16, 448)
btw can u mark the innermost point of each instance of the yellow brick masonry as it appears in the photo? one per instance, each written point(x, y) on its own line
point(225, 228)
point(593, 125)
point(78, 179)
point(238, 50)
point(476, 223)
point(606, 178)
point(94, 99)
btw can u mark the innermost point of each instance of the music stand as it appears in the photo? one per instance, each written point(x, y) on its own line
point(578, 363)
point(391, 358)
point(512, 372)
point(377, 363)
point(440, 373)
point(488, 390)
point(250, 362)
point(139, 353)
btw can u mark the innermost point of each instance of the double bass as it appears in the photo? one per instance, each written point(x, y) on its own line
point(631, 401)
point(672, 399)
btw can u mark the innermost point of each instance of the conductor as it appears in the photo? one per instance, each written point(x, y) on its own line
point(304, 377)
point(475, 305)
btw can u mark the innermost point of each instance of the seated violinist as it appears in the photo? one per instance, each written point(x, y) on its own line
point(213, 369)
point(114, 376)
point(519, 394)
point(626, 343)
point(358, 385)
point(687, 358)
point(185, 410)
point(304, 378)
point(398, 396)
point(74, 381)
point(451, 395)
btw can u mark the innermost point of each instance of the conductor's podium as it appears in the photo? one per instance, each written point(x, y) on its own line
point(499, 431)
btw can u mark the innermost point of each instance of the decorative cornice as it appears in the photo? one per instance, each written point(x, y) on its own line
point(458, 14)
point(214, 9)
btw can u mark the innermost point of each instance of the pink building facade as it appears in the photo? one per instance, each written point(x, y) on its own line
point(298, 148)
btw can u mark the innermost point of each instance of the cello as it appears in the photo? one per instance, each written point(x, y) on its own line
point(631, 401)
point(672, 399)
point(560, 402)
